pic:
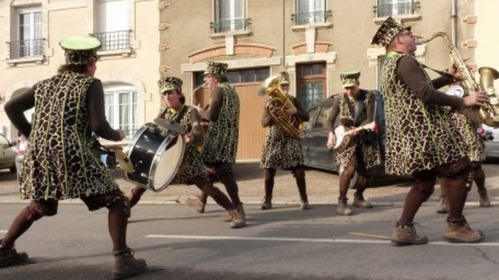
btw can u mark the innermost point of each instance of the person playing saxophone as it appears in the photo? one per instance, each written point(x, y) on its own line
point(420, 139)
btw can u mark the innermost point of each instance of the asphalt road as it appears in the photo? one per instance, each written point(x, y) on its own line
point(283, 243)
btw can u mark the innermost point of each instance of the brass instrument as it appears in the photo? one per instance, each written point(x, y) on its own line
point(489, 114)
point(277, 105)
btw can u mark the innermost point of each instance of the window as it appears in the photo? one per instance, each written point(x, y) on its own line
point(310, 11)
point(395, 7)
point(121, 108)
point(229, 16)
point(251, 75)
point(29, 34)
point(311, 80)
point(113, 28)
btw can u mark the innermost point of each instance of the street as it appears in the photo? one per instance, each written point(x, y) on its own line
point(282, 243)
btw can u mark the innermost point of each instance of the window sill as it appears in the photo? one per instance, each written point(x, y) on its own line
point(121, 52)
point(314, 25)
point(39, 59)
point(402, 18)
point(230, 33)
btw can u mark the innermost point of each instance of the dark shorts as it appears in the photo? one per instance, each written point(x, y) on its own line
point(49, 207)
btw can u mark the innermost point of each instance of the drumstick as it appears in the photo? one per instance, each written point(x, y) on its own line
point(370, 235)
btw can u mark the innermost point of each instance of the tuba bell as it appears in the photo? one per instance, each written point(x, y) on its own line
point(489, 114)
point(276, 106)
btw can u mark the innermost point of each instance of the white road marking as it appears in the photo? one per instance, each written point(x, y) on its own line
point(311, 240)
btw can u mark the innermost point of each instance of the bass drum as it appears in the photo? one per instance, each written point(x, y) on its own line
point(155, 154)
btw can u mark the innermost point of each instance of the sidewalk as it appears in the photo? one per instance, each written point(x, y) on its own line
point(322, 188)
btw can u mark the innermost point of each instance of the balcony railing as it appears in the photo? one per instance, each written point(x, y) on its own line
point(115, 40)
point(311, 17)
point(228, 25)
point(396, 7)
point(26, 48)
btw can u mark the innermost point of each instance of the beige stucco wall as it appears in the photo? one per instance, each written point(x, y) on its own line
point(487, 22)
point(70, 17)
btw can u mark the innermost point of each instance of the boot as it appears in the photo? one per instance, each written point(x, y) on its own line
point(9, 257)
point(443, 208)
point(484, 199)
point(228, 218)
point(267, 203)
point(304, 204)
point(360, 202)
point(196, 204)
point(405, 234)
point(342, 208)
point(126, 265)
point(458, 231)
point(238, 220)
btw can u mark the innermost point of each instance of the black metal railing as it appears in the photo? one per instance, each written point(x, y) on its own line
point(114, 40)
point(311, 17)
point(402, 7)
point(228, 25)
point(26, 48)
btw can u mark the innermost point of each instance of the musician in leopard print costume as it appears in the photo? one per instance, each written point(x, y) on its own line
point(281, 151)
point(355, 108)
point(420, 139)
point(475, 148)
point(59, 163)
point(221, 120)
point(191, 169)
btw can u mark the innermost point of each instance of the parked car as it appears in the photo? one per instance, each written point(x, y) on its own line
point(492, 143)
point(315, 134)
point(8, 153)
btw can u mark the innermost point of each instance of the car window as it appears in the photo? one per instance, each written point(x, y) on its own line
point(322, 117)
point(3, 141)
point(312, 113)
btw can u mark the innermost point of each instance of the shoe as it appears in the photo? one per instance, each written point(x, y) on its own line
point(267, 203)
point(126, 265)
point(443, 208)
point(342, 208)
point(238, 220)
point(304, 205)
point(228, 217)
point(10, 257)
point(196, 204)
point(360, 202)
point(405, 234)
point(484, 199)
point(460, 232)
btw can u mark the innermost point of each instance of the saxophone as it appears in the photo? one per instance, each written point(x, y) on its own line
point(276, 106)
point(489, 114)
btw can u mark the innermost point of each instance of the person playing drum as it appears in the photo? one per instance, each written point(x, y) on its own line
point(191, 169)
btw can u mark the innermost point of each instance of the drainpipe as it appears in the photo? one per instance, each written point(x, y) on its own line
point(283, 33)
point(454, 22)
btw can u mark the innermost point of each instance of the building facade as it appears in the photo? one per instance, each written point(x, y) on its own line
point(128, 63)
point(314, 40)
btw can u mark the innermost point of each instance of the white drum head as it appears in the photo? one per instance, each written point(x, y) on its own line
point(166, 164)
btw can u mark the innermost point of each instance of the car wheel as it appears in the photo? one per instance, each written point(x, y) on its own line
point(13, 169)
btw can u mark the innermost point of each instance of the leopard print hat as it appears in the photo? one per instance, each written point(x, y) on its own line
point(80, 50)
point(387, 31)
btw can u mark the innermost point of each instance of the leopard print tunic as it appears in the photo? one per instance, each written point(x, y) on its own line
point(369, 149)
point(475, 147)
point(59, 163)
point(220, 143)
point(279, 150)
point(419, 136)
point(192, 165)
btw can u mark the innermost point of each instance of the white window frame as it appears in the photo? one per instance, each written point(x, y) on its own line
point(312, 7)
point(395, 7)
point(34, 28)
point(234, 14)
point(113, 108)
